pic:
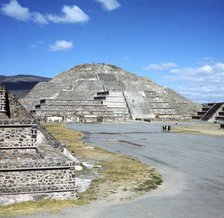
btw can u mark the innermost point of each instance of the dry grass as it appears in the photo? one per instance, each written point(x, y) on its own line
point(118, 172)
point(122, 173)
point(30, 207)
point(71, 139)
point(199, 128)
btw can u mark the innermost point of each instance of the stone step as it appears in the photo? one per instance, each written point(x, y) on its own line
point(100, 97)
point(219, 117)
point(120, 94)
point(103, 93)
point(201, 113)
point(155, 100)
point(38, 111)
point(115, 104)
point(68, 102)
point(115, 118)
point(117, 109)
point(72, 107)
point(221, 113)
point(170, 117)
point(161, 111)
point(115, 99)
point(205, 109)
point(159, 105)
point(196, 117)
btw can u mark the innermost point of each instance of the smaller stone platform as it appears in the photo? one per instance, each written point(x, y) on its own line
point(32, 162)
point(211, 112)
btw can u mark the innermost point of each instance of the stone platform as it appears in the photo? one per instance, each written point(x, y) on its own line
point(32, 161)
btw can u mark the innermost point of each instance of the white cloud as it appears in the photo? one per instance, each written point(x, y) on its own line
point(219, 66)
point(109, 5)
point(15, 10)
point(206, 69)
point(61, 45)
point(203, 94)
point(161, 66)
point(39, 18)
point(200, 84)
point(38, 44)
point(70, 14)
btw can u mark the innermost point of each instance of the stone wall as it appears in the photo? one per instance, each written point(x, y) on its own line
point(32, 161)
point(10, 154)
point(37, 180)
point(18, 135)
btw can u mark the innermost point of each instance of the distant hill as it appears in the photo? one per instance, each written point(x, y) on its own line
point(20, 85)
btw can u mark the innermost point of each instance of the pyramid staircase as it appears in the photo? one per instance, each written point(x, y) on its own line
point(105, 106)
point(220, 115)
point(115, 103)
point(211, 112)
point(137, 105)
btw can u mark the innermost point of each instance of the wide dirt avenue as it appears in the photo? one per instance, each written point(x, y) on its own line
point(192, 167)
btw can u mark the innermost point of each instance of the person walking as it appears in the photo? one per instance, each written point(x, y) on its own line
point(169, 128)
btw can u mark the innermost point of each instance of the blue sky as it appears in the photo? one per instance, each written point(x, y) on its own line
point(176, 43)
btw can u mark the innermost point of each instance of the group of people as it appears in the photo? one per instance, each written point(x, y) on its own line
point(166, 128)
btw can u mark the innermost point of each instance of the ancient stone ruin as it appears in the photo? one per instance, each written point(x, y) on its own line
point(100, 92)
point(32, 162)
point(211, 112)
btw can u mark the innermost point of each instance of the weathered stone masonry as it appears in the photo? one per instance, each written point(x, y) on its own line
point(32, 161)
point(18, 135)
point(104, 93)
point(36, 180)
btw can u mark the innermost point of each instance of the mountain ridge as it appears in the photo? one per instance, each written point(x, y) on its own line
point(21, 84)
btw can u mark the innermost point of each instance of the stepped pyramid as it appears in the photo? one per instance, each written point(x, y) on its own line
point(32, 162)
point(211, 112)
point(101, 92)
